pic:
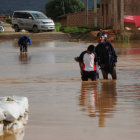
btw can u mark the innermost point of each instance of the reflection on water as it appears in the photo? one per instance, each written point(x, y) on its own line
point(13, 135)
point(88, 97)
point(99, 99)
point(106, 101)
point(125, 48)
point(24, 58)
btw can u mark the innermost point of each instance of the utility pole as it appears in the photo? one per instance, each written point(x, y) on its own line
point(122, 15)
point(95, 13)
point(63, 7)
point(115, 12)
point(86, 12)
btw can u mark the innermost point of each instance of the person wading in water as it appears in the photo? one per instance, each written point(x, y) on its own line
point(107, 57)
point(88, 64)
point(23, 43)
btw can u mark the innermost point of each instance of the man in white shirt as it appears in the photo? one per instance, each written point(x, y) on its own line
point(88, 64)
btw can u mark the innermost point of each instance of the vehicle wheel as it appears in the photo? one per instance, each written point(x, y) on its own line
point(30, 31)
point(16, 28)
point(35, 29)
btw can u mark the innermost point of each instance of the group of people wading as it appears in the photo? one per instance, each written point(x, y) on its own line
point(103, 57)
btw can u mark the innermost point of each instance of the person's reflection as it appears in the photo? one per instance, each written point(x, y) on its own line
point(88, 97)
point(106, 101)
point(11, 135)
point(99, 100)
point(24, 58)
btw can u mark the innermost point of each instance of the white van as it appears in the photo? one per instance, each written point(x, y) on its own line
point(31, 21)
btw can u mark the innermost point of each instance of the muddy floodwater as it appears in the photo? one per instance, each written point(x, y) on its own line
point(61, 106)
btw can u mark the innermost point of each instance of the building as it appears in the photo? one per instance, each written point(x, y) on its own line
point(110, 14)
point(132, 7)
point(3, 18)
point(77, 19)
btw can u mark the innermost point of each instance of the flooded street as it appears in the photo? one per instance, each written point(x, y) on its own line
point(61, 106)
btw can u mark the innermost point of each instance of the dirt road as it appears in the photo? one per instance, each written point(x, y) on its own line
point(9, 33)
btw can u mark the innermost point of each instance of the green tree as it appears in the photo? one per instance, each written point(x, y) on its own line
point(56, 8)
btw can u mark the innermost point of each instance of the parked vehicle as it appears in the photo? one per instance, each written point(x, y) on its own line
point(132, 23)
point(1, 23)
point(31, 21)
point(1, 27)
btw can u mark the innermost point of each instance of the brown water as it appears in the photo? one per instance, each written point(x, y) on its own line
point(61, 106)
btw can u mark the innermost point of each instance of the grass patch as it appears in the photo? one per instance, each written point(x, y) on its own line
point(57, 26)
point(124, 38)
point(82, 29)
point(9, 21)
point(78, 32)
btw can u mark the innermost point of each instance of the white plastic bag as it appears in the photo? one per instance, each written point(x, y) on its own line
point(2, 114)
point(23, 104)
point(14, 107)
point(11, 109)
point(1, 129)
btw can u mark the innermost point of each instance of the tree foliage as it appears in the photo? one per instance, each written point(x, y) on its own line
point(56, 8)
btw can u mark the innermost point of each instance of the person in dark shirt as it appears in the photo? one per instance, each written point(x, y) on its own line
point(88, 63)
point(23, 43)
point(107, 57)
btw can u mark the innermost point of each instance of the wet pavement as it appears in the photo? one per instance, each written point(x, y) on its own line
point(61, 106)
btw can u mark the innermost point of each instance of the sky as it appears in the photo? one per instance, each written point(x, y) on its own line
point(8, 6)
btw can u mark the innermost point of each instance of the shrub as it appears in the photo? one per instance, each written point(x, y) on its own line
point(8, 21)
point(82, 29)
point(124, 38)
point(57, 27)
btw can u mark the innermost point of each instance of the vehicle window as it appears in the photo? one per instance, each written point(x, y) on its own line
point(19, 15)
point(39, 16)
point(16, 15)
point(28, 15)
point(23, 15)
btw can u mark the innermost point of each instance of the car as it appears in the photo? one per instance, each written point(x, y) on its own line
point(31, 21)
point(1, 23)
point(1, 27)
